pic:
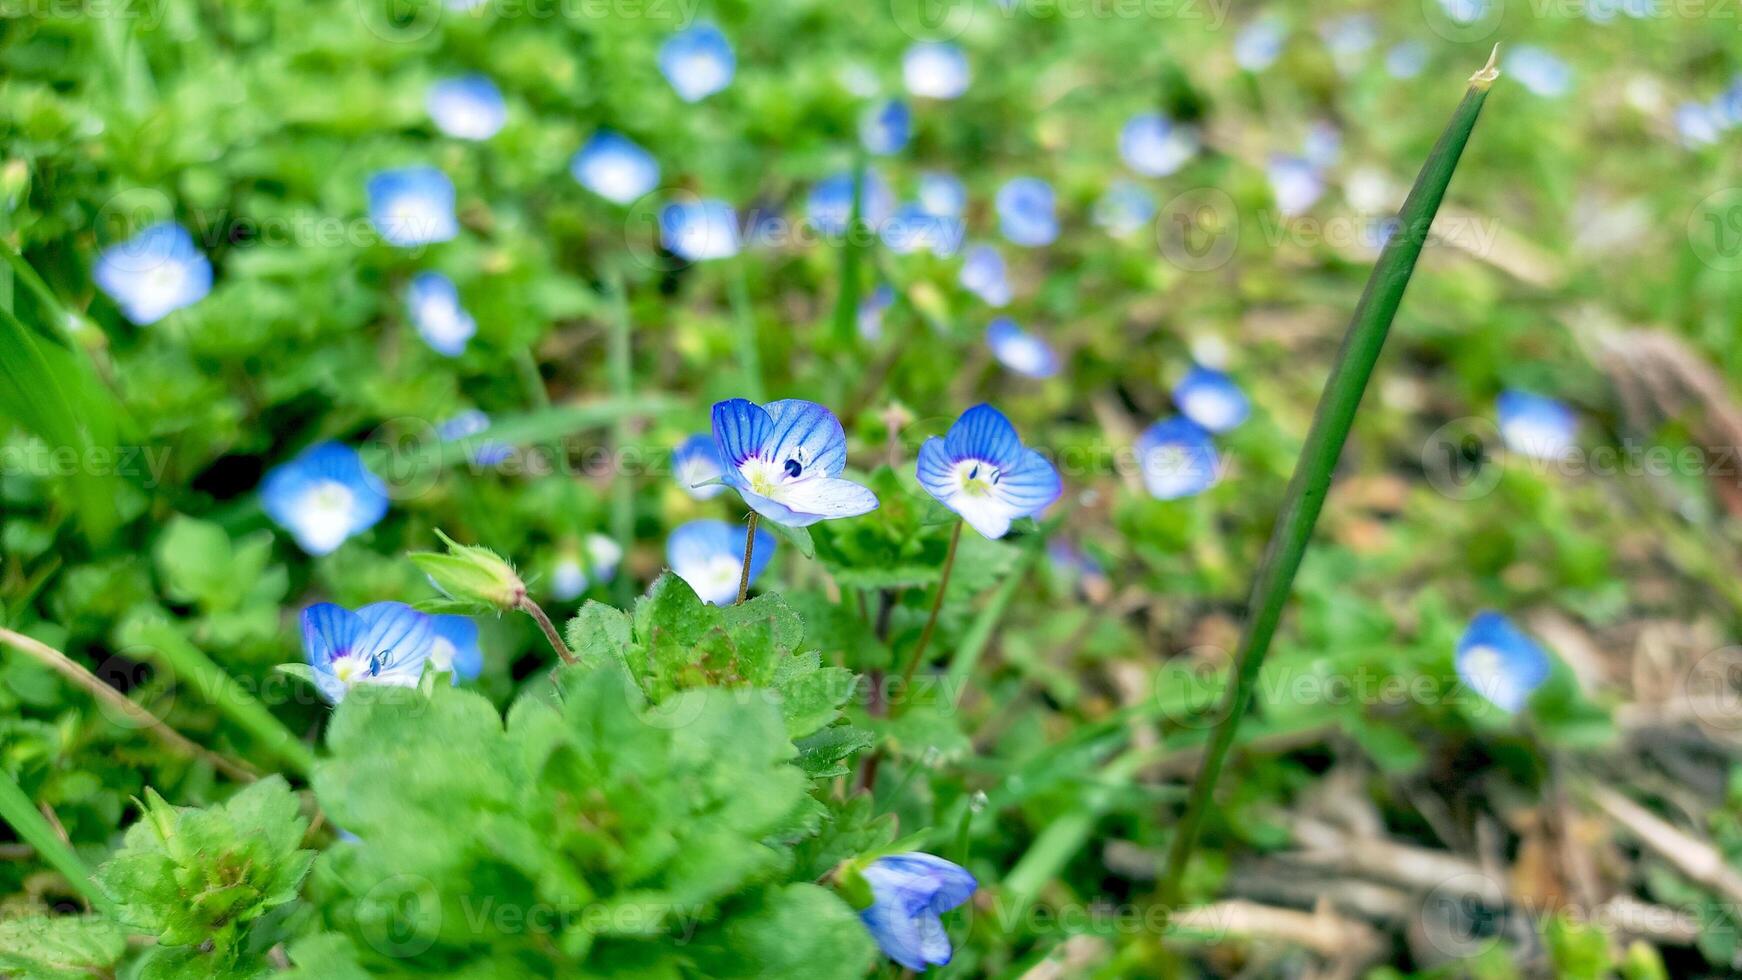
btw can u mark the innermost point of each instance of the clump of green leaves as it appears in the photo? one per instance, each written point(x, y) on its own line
point(52, 948)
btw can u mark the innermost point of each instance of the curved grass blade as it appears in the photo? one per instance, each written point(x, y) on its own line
point(17, 810)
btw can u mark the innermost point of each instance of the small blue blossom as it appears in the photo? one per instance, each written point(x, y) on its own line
point(942, 194)
point(1295, 183)
point(1406, 59)
point(614, 167)
point(1177, 458)
point(324, 496)
point(596, 562)
point(697, 62)
point(1155, 146)
point(911, 229)
point(413, 206)
point(935, 70)
point(695, 462)
point(1535, 425)
point(1211, 399)
point(1019, 350)
point(984, 274)
point(454, 649)
point(697, 231)
point(885, 127)
point(1497, 661)
point(785, 459)
point(709, 555)
point(871, 310)
point(469, 107)
point(468, 424)
point(1259, 43)
point(383, 643)
point(1465, 11)
point(1025, 212)
point(830, 203)
point(1126, 208)
point(1537, 70)
point(154, 273)
point(980, 470)
point(434, 302)
point(568, 579)
point(908, 894)
point(1697, 124)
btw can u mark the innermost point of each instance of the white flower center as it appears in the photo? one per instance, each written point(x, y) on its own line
point(324, 513)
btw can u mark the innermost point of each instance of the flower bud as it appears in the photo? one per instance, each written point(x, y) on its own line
point(475, 578)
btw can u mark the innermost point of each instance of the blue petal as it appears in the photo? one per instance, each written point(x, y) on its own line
point(885, 127)
point(1020, 351)
point(741, 429)
point(1154, 146)
point(697, 231)
point(1535, 425)
point(935, 70)
point(469, 107)
point(396, 637)
point(935, 469)
point(1211, 399)
point(1177, 458)
point(329, 632)
point(285, 489)
point(615, 167)
point(813, 500)
point(460, 635)
point(412, 206)
point(697, 62)
point(984, 433)
point(1031, 486)
point(1025, 212)
point(984, 275)
point(154, 273)
point(695, 461)
point(695, 549)
point(805, 433)
point(949, 883)
point(1499, 662)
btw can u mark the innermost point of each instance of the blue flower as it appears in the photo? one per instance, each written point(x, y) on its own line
point(1323, 144)
point(1177, 458)
point(1406, 59)
point(1465, 11)
point(469, 107)
point(871, 310)
point(1259, 43)
point(383, 643)
point(908, 894)
point(694, 462)
point(154, 273)
point(1019, 351)
point(1348, 37)
point(886, 127)
point(1155, 146)
point(1211, 399)
point(942, 194)
point(413, 206)
point(911, 229)
point(1295, 183)
point(614, 167)
point(696, 231)
point(597, 561)
point(453, 647)
point(830, 203)
point(709, 555)
point(470, 423)
point(1697, 124)
point(697, 62)
point(980, 470)
point(935, 70)
point(1537, 70)
point(324, 496)
point(785, 459)
point(1535, 425)
point(434, 301)
point(1496, 660)
point(1126, 208)
point(1025, 212)
point(984, 274)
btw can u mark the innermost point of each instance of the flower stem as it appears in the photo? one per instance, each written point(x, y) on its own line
point(749, 552)
point(533, 609)
point(623, 389)
point(931, 622)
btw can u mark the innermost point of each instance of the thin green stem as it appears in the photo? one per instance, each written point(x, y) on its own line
point(34, 829)
point(744, 325)
point(749, 553)
point(931, 622)
point(622, 388)
point(545, 626)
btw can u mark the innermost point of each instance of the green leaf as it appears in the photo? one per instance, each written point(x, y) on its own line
point(60, 947)
point(801, 930)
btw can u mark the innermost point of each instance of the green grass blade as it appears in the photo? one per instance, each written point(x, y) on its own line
point(846, 319)
point(17, 810)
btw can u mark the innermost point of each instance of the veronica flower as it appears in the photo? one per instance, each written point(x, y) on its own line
point(696, 231)
point(984, 275)
point(1025, 212)
point(1019, 350)
point(1155, 146)
point(694, 463)
point(709, 555)
point(614, 167)
point(871, 310)
point(885, 127)
point(942, 195)
point(434, 301)
point(1295, 183)
point(1406, 59)
point(1537, 70)
point(1125, 208)
point(154, 273)
point(1497, 661)
point(935, 70)
point(324, 496)
point(597, 562)
point(911, 228)
point(697, 62)
point(383, 643)
point(1697, 124)
point(1535, 425)
point(413, 206)
point(454, 649)
point(980, 470)
point(785, 459)
point(469, 107)
point(1259, 43)
point(1177, 458)
point(830, 203)
point(467, 424)
point(908, 894)
point(1211, 399)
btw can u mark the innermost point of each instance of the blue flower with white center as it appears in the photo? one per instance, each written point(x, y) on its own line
point(1025, 212)
point(464, 427)
point(568, 579)
point(1537, 70)
point(785, 459)
point(324, 496)
point(709, 555)
point(454, 649)
point(1406, 59)
point(1126, 208)
point(413, 206)
point(697, 231)
point(871, 310)
point(1465, 11)
point(154, 273)
point(1536, 425)
point(911, 229)
point(1497, 661)
point(935, 70)
point(469, 107)
point(980, 470)
point(908, 894)
point(886, 127)
point(1155, 146)
point(1697, 124)
point(694, 463)
point(1259, 43)
point(1019, 350)
point(1295, 183)
point(830, 203)
point(382, 643)
point(1177, 458)
point(1211, 399)
point(434, 302)
point(984, 274)
point(697, 62)
point(614, 167)
point(942, 194)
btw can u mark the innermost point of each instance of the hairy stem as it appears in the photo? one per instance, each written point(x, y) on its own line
point(749, 552)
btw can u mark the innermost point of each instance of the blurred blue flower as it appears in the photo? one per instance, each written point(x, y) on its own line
point(871, 310)
point(469, 107)
point(1155, 146)
point(709, 555)
point(1465, 11)
point(434, 302)
point(1127, 207)
point(1727, 106)
point(324, 496)
point(885, 127)
point(568, 579)
point(1177, 458)
point(697, 231)
point(935, 70)
point(382, 643)
point(412, 206)
point(694, 462)
point(1259, 43)
point(1295, 183)
point(765, 228)
point(154, 273)
point(830, 203)
point(908, 894)
point(1535, 425)
point(1211, 399)
point(1537, 70)
point(1406, 59)
point(980, 470)
point(1497, 661)
point(697, 62)
point(984, 275)
point(1697, 124)
point(1348, 38)
point(911, 228)
point(596, 561)
point(785, 459)
point(1025, 212)
point(614, 167)
point(1323, 144)
point(942, 194)
point(467, 424)
point(1019, 351)
point(454, 648)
